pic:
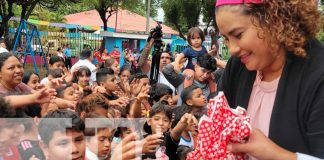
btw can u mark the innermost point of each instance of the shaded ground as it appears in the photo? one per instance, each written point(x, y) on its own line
point(41, 69)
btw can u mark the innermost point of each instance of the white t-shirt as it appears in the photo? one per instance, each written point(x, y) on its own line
point(187, 142)
point(86, 63)
point(2, 50)
point(163, 80)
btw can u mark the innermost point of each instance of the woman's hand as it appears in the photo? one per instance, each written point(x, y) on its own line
point(261, 147)
point(44, 95)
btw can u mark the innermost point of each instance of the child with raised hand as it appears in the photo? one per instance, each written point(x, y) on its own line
point(194, 103)
point(107, 79)
point(160, 121)
point(54, 63)
point(160, 92)
point(124, 75)
point(202, 77)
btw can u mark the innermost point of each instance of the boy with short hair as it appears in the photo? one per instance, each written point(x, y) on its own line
point(194, 102)
point(62, 133)
point(160, 92)
point(99, 138)
point(203, 77)
point(93, 103)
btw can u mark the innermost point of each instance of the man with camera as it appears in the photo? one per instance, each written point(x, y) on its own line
point(145, 63)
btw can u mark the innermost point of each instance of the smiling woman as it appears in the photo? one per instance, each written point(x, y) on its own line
point(11, 73)
point(276, 72)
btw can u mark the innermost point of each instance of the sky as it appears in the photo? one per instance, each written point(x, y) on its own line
point(160, 15)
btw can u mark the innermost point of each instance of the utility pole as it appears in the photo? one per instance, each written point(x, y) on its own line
point(148, 16)
point(116, 17)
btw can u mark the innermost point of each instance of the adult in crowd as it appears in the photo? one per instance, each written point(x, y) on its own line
point(115, 54)
point(145, 65)
point(68, 56)
point(276, 72)
point(85, 61)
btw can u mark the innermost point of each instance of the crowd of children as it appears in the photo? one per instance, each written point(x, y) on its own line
point(58, 110)
point(107, 110)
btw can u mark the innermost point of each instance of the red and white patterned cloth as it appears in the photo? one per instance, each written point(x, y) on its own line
point(221, 126)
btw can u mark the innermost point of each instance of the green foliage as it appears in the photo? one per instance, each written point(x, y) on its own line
point(320, 36)
point(184, 14)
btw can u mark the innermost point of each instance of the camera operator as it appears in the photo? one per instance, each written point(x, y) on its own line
point(144, 63)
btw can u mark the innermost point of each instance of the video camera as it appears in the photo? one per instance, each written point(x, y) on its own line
point(156, 33)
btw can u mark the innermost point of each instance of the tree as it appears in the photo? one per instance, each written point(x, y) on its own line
point(106, 8)
point(208, 12)
point(6, 12)
point(27, 7)
point(184, 14)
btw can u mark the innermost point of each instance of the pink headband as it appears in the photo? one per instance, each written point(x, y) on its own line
point(224, 2)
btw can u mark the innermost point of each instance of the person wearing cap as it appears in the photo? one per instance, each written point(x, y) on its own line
point(115, 53)
point(276, 71)
point(86, 61)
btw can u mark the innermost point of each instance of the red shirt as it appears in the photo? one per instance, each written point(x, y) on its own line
point(98, 56)
point(12, 154)
point(115, 53)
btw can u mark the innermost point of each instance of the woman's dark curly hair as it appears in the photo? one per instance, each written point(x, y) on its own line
point(289, 23)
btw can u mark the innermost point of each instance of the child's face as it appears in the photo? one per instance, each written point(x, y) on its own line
point(196, 40)
point(71, 94)
point(67, 145)
point(57, 65)
point(7, 133)
point(20, 128)
point(110, 83)
point(145, 82)
point(115, 66)
point(83, 79)
point(101, 143)
point(125, 75)
point(198, 99)
point(167, 98)
point(201, 74)
point(34, 82)
point(143, 111)
point(159, 123)
point(125, 132)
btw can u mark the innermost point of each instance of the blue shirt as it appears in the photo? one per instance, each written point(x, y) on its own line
point(192, 55)
point(68, 52)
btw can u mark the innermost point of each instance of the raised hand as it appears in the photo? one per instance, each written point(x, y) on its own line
point(128, 148)
point(143, 94)
point(44, 95)
point(151, 143)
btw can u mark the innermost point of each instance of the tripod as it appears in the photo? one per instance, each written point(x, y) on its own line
point(156, 56)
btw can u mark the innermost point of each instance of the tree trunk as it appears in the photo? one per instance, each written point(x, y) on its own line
point(31, 8)
point(23, 11)
point(180, 32)
point(103, 42)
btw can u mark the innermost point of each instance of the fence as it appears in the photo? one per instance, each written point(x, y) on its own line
point(78, 41)
point(180, 45)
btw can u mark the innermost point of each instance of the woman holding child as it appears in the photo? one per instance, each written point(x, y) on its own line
point(276, 72)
